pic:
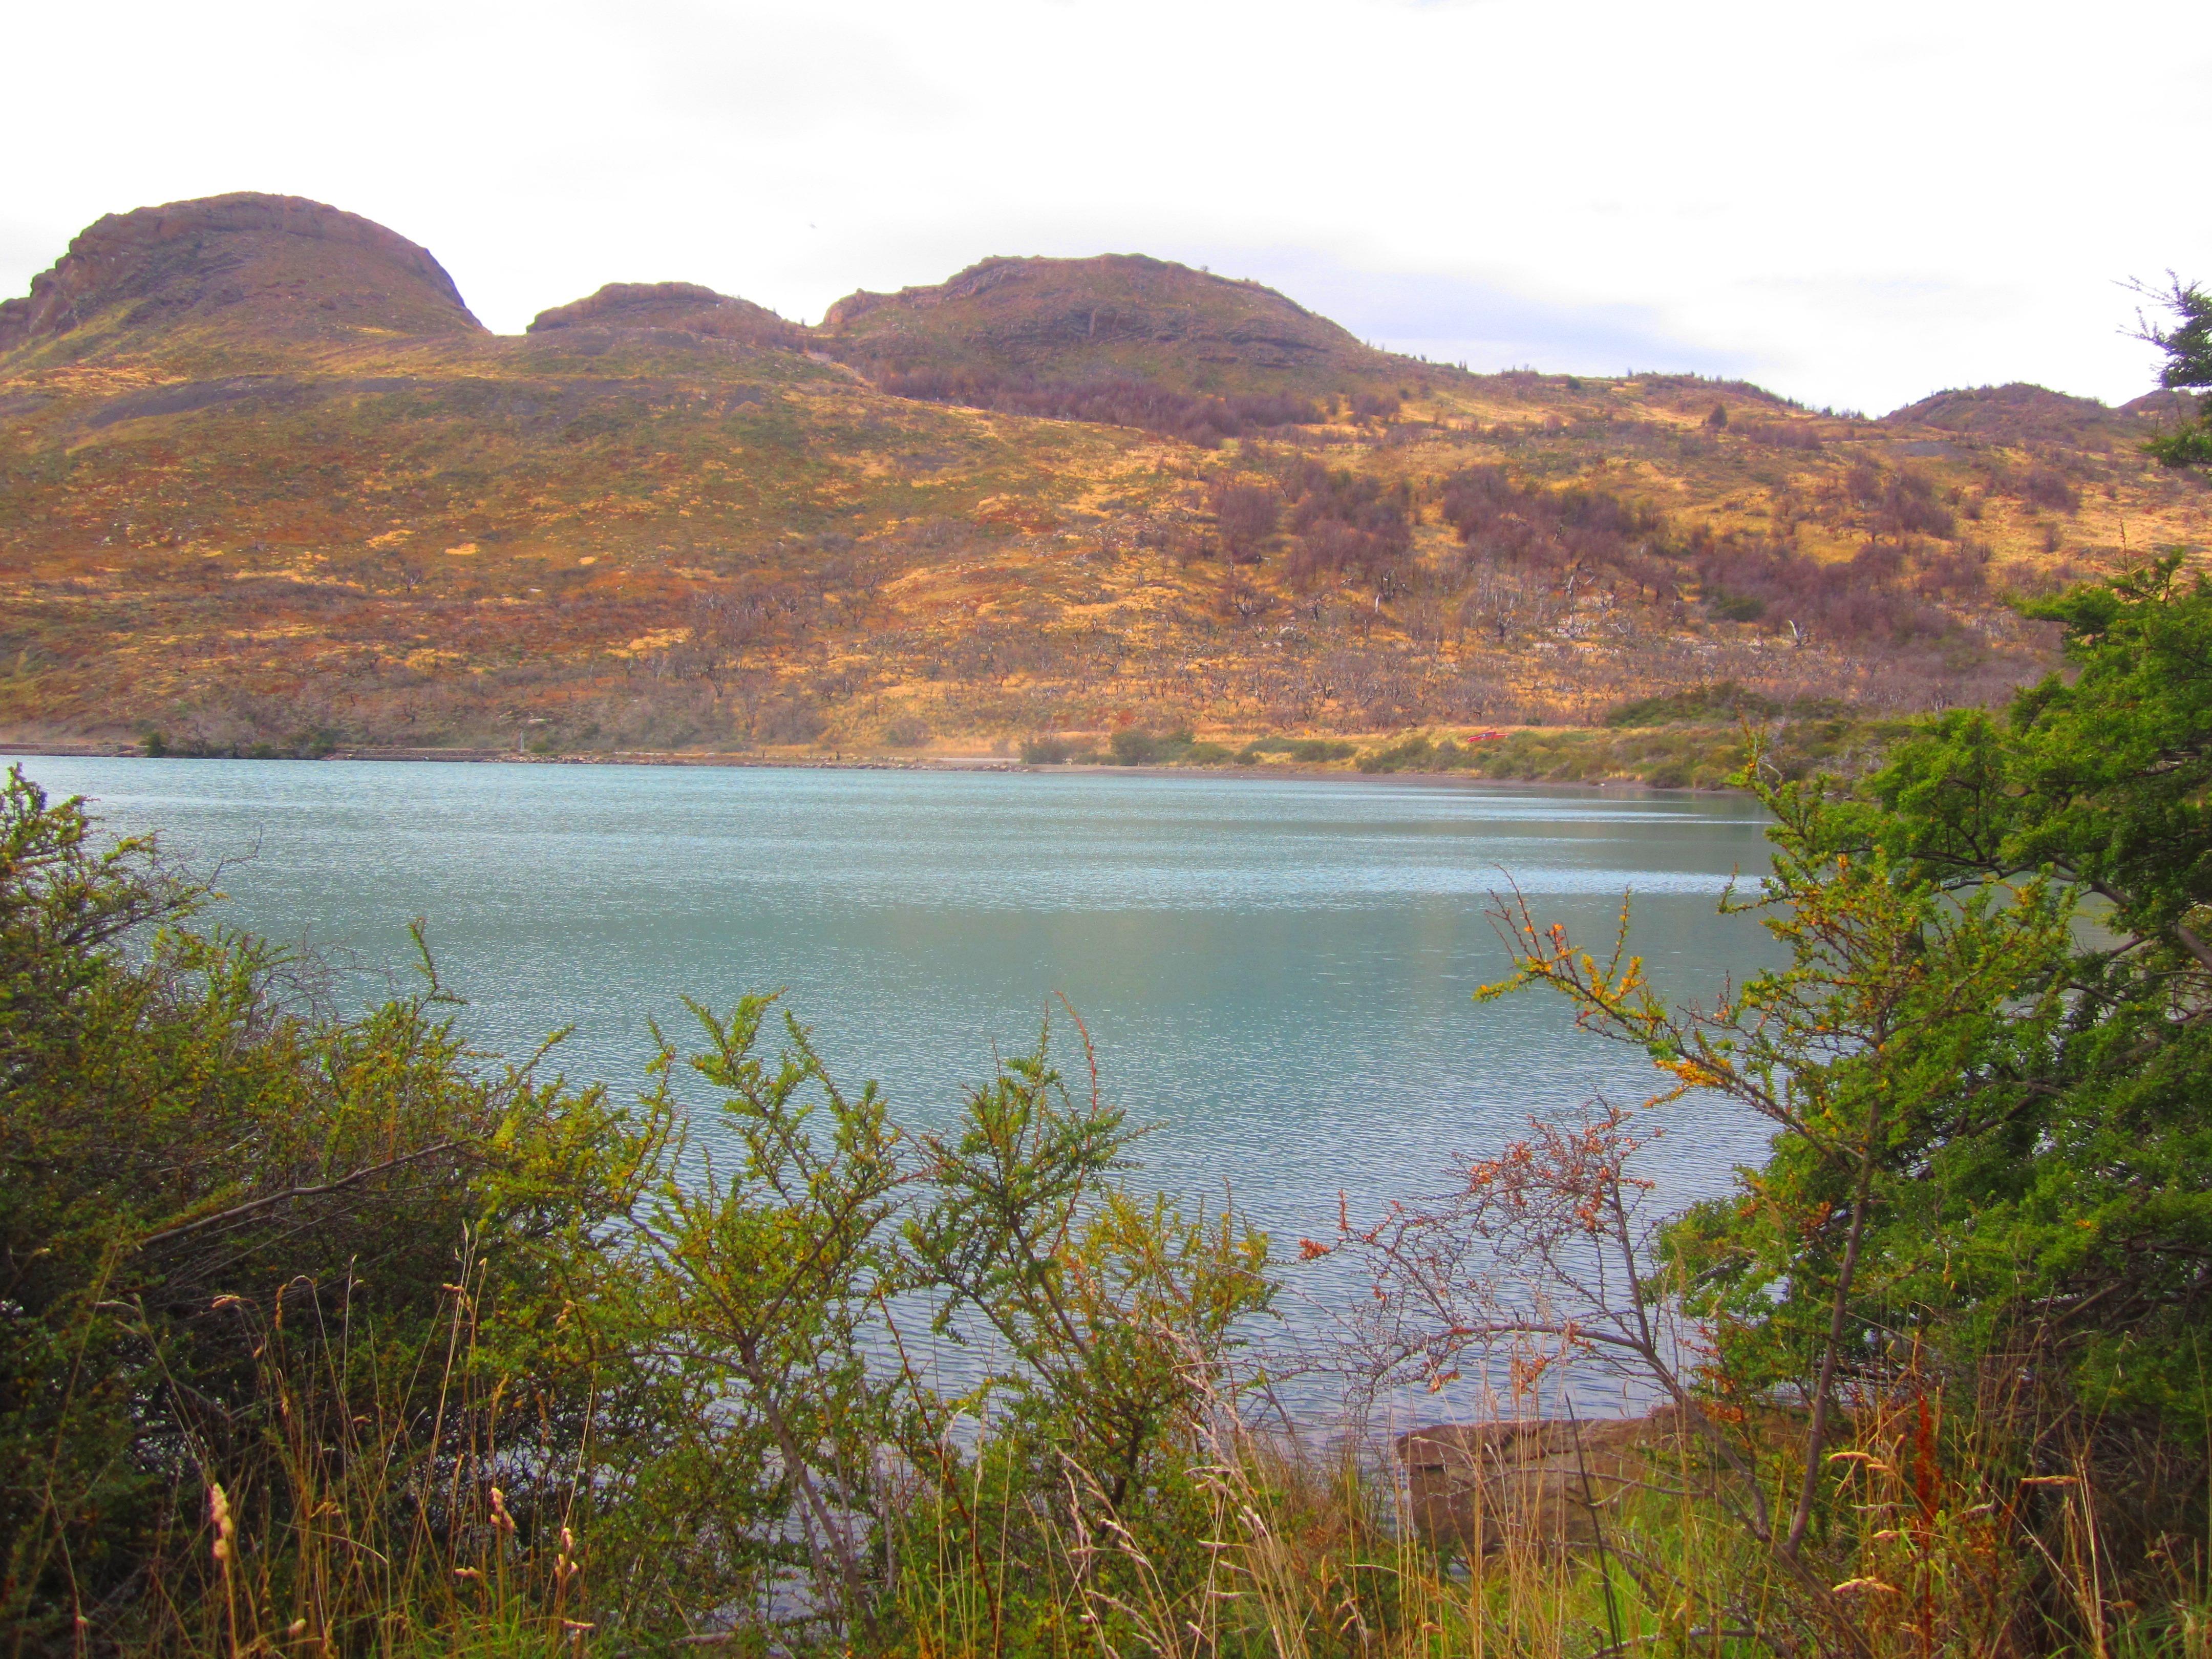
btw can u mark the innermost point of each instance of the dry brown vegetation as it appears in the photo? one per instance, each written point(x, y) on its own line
point(1117, 494)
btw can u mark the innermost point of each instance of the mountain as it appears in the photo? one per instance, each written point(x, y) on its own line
point(264, 480)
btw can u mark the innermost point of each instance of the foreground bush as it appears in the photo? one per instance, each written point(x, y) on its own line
point(237, 1234)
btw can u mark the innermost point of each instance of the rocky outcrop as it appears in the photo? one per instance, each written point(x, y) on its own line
point(1116, 315)
point(2011, 414)
point(682, 307)
point(270, 263)
point(1541, 1483)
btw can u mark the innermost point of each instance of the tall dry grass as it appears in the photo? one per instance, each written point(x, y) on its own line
point(347, 1520)
point(361, 1530)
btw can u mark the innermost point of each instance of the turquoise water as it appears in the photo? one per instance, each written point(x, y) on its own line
point(1277, 973)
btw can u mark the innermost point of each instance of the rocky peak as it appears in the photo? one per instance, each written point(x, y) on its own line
point(269, 263)
point(1113, 316)
point(683, 307)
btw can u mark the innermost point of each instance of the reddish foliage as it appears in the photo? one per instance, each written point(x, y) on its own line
point(1865, 597)
point(1246, 515)
point(1201, 420)
point(1348, 526)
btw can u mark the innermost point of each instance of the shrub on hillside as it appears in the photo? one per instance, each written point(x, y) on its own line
point(1311, 751)
point(1348, 526)
point(1778, 434)
point(1196, 419)
point(1908, 507)
point(2046, 486)
point(792, 718)
point(1245, 515)
point(1130, 747)
point(1864, 597)
point(1500, 518)
point(1724, 701)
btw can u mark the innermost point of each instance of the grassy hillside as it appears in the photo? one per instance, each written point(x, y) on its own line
point(666, 518)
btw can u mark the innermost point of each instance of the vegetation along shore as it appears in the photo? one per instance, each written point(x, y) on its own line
point(1689, 739)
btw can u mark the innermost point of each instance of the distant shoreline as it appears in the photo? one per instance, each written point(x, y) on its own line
point(1301, 771)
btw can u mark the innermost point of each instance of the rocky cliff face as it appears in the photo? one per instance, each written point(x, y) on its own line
point(263, 264)
point(683, 308)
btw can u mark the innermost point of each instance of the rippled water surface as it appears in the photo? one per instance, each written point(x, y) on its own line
point(1278, 974)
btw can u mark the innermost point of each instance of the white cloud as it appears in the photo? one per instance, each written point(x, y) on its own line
point(1855, 205)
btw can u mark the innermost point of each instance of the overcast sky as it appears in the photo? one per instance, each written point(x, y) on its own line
point(1854, 204)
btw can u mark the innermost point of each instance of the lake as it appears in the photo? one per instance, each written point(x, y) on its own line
point(1278, 972)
